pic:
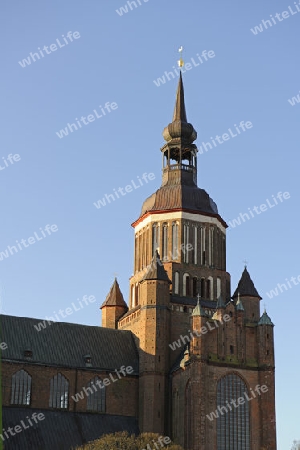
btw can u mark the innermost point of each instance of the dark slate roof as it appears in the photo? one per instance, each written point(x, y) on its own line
point(179, 110)
point(189, 301)
point(181, 196)
point(115, 297)
point(156, 270)
point(65, 344)
point(246, 286)
point(61, 430)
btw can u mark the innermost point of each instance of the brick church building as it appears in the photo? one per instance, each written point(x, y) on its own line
point(185, 358)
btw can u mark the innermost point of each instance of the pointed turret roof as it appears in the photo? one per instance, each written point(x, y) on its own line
point(265, 319)
point(179, 110)
point(246, 286)
point(239, 305)
point(156, 270)
point(198, 310)
point(114, 297)
point(220, 302)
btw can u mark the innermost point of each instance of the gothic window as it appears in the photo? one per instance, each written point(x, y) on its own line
point(96, 396)
point(165, 242)
point(208, 289)
point(195, 245)
point(218, 287)
point(186, 237)
point(202, 244)
point(59, 392)
point(186, 285)
point(174, 240)
point(202, 288)
point(210, 246)
point(176, 290)
point(21, 388)
point(133, 296)
point(195, 289)
point(155, 238)
point(233, 429)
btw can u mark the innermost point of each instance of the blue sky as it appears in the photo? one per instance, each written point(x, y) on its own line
point(116, 59)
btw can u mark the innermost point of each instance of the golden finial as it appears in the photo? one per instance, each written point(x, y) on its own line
point(180, 61)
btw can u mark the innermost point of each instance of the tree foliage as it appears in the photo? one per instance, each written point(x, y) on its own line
point(125, 441)
point(296, 445)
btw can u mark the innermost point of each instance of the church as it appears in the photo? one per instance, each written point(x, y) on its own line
point(185, 358)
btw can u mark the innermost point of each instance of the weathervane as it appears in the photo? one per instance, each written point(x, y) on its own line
point(246, 263)
point(180, 61)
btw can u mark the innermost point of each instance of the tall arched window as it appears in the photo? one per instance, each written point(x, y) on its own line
point(165, 241)
point(195, 286)
point(202, 243)
point(155, 238)
point(210, 246)
point(186, 240)
point(218, 287)
point(195, 250)
point(176, 276)
point(133, 296)
point(175, 240)
point(186, 285)
point(233, 428)
point(59, 392)
point(96, 398)
point(209, 288)
point(202, 288)
point(21, 388)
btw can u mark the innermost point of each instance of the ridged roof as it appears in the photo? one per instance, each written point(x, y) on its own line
point(61, 430)
point(66, 344)
point(180, 196)
point(246, 286)
point(156, 270)
point(115, 297)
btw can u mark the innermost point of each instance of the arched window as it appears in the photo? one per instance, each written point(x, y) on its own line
point(21, 388)
point(195, 250)
point(136, 295)
point(202, 288)
point(209, 288)
point(218, 287)
point(165, 241)
point(186, 285)
point(176, 289)
point(96, 397)
point(133, 296)
point(175, 240)
point(186, 240)
point(210, 246)
point(202, 244)
point(59, 392)
point(155, 238)
point(233, 429)
point(195, 286)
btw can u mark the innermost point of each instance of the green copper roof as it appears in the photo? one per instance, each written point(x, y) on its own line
point(239, 305)
point(198, 310)
point(265, 319)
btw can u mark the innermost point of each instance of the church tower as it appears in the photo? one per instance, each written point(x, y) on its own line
point(200, 350)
